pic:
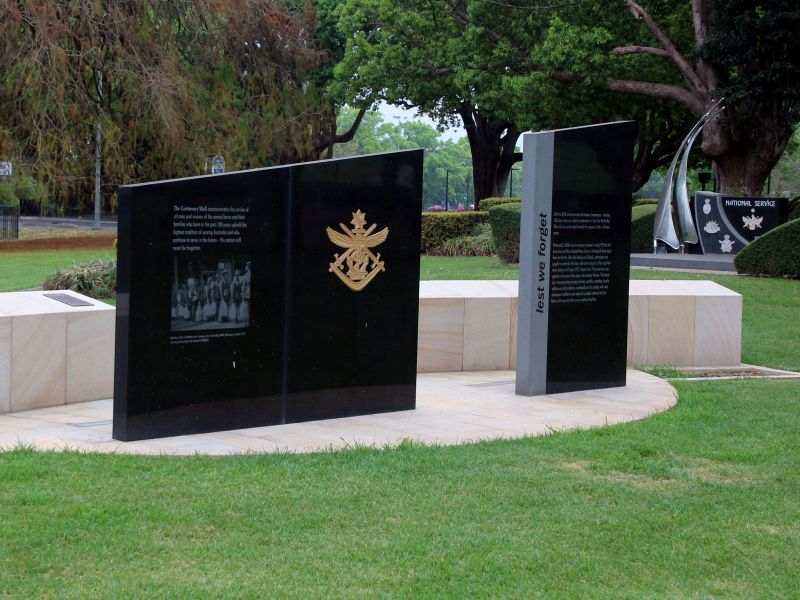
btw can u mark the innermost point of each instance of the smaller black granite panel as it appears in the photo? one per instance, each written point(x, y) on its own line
point(68, 299)
point(590, 257)
point(726, 224)
point(574, 259)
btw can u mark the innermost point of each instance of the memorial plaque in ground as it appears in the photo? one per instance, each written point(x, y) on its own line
point(574, 259)
point(233, 296)
point(726, 224)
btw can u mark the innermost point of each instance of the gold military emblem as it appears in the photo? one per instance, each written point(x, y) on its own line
point(362, 264)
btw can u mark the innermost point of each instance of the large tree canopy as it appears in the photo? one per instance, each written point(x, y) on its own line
point(156, 85)
point(745, 52)
point(501, 68)
point(430, 56)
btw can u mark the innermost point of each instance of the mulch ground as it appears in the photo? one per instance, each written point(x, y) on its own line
point(96, 241)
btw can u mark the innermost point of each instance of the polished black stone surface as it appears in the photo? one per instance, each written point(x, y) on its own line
point(574, 259)
point(592, 174)
point(350, 350)
point(726, 224)
point(305, 346)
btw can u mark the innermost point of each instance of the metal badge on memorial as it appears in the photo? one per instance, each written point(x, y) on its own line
point(360, 263)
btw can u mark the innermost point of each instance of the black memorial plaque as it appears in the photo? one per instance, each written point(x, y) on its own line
point(68, 299)
point(575, 259)
point(349, 350)
point(726, 224)
point(230, 311)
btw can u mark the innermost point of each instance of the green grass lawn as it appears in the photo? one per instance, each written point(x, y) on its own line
point(700, 501)
point(465, 267)
point(26, 270)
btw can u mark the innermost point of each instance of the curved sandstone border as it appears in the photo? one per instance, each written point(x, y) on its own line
point(452, 408)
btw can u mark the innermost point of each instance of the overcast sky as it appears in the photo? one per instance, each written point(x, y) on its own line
point(394, 114)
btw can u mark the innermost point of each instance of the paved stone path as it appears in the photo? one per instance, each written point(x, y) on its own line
point(452, 408)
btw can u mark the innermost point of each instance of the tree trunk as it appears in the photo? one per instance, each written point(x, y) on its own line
point(743, 172)
point(745, 147)
point(746, 141)
point(492, 145)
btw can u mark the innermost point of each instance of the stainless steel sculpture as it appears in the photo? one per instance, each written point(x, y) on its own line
point(664, 229)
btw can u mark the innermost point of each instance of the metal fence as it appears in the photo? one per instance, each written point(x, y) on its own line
point(9, 223)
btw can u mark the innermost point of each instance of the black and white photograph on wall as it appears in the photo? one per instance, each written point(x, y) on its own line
point(210, 293)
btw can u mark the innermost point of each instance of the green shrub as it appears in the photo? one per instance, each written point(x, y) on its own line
point(643, 201)
point(438, 227)
point(488, 203)
point(23, 191)
point(32, 194)
point(643, 218)
point(480, 243)
point(505, 222)
point(775, 254)
point(794, 208)
point(460, 246)
point(484, 240)
point(97, 279)
point(8, 195)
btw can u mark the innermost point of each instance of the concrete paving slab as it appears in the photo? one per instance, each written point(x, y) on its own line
point(452, 408)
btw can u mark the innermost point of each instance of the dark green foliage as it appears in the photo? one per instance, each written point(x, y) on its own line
point(775, 254)
point(440, 227)
point(757, 47)
point(163, 83)
point(480, 243)
point(7, 195)
point(505, 221)
point(794, 208)
point(97, 279)
point(642, 220)
point(22, 191)
point(488, 203)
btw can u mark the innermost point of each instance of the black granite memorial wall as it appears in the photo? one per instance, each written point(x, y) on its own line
point(726, 224)
point(267, 296)
point(574, 259)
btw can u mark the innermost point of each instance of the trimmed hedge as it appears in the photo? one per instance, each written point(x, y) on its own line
point(488, 203)
point(438, 227)
point(643, 219)
point(643, 201)
point(775, 254)
point(505, 222)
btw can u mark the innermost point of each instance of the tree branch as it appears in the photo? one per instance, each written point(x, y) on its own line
point(707, 70)
point(624, 50)
point(700, 19)
point(350, 133)
point(343, 138)
point(689, 74)
point(509, 160)
point(566, 77)
point(659, 90)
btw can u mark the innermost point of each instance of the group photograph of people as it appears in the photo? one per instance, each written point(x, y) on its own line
point(210, 294)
